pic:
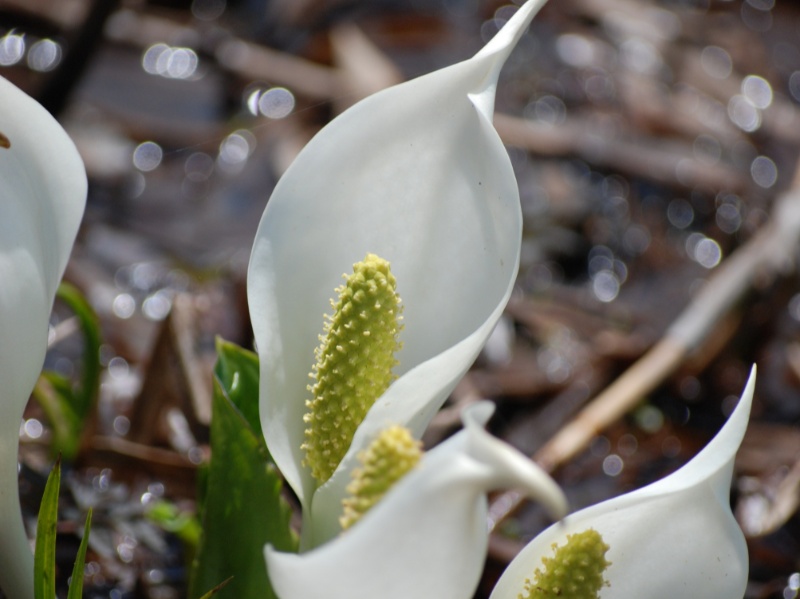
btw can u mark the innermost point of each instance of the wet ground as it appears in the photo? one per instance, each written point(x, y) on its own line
point(653, 143)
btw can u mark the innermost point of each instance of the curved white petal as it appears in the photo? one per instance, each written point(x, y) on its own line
point(674, 538)
point(427, 537)
point(417, 175)
point(42, 196)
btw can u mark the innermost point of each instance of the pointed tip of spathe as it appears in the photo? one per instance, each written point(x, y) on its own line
point(720, 451)
point(506, 39)
point(737, 421)
point(510, 468)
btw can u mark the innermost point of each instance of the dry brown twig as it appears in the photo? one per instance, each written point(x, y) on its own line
point(769, 253)
point(609, 147)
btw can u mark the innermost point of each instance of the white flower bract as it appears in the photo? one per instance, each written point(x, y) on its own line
point(43, 193)
point(674, 538)
point(418, 175)
point(427, 537)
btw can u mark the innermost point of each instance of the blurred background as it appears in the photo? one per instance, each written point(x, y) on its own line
point(655, 145)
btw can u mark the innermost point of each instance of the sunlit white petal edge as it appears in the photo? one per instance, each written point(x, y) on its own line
point(674, 538)
point(42, 197)
point(427, 537)
point(418, 175)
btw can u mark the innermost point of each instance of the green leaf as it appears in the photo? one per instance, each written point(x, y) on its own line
point(237, 371)
point(44, 558)
point(243, 508)
point(76, 582)
point(54, 394)
point(65, 404)
point(86, 394)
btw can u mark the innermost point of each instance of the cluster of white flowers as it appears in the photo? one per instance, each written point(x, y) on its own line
point(418, 175)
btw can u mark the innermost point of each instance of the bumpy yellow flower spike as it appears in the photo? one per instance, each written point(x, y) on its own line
point(575, 571)
point(354, 363)
point(390, 456)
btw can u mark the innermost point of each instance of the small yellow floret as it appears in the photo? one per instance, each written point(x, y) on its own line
point(385, 461)
point(354, 363)
point(574, 572)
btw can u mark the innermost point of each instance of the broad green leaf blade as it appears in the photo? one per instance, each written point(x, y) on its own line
point(243, 508)
point(44, 558)
point(237, 370)
point(76, 583)
point(86, 394)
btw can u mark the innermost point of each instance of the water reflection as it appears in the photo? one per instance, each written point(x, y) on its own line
point(605, 286)
point(171, 62)
point(198, 167)
point(764, 172)
point(757, 90)
point(716, 62)
point(703, 250)
point(12, 48)
point(743, 113)
point(276, 103)
point(576, 50)
point(728, 215)
point(649, 418)
point(613, 465)
point(548, 109)
point(32, 428)
point(121, 425)
point(641, 56)
point(123, 306)
point(147, 156)
point(235, 149)
point(157, 306)
point(792, 587)
point(118, 367)
point(44, 55)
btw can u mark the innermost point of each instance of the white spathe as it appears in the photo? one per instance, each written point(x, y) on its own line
point(418, 175)
point(674, 538)
point(427, 537)
point(42, 197)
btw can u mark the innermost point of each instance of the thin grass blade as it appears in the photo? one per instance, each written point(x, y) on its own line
point(76, 583)
point(44, 558)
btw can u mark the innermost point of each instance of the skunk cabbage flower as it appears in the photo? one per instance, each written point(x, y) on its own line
point(43, 185)
point(674, 538)
point(427, 537)
point(417, 175)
